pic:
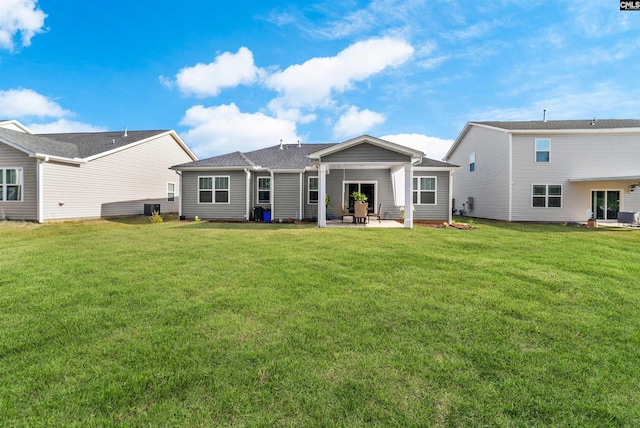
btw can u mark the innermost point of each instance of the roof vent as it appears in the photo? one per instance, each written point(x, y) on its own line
point(544, 115)
point(280, 143)
point(125, 131)
point(113, 141)
point(299, 145)
point(593, 122)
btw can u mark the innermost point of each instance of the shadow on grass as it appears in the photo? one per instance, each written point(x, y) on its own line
point(141, 219)
point(534, 227)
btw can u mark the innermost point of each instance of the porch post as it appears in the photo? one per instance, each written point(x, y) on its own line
point(322, 192)
point(408, 196)
point(450, 196)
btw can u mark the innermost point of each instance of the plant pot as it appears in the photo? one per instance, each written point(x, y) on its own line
point(592, 223)
point(360, 209)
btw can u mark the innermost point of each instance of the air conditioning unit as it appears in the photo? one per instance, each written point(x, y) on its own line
point(150, 208)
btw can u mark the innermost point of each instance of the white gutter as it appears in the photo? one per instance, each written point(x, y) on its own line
point(180, 194)
point(40, 188)
point(510, 176)
point(48, 158)
point(273, 193)
point(450, 196)
point(301, 194)
point(247, 190)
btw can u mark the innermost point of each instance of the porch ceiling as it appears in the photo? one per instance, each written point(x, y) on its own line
point(624, 177)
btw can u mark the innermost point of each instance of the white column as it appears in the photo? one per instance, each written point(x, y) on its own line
point(322, 192)
point(247, 195)
point(450, 196)
point(179, 193)
point(272, 189)
point(40, 190)
point(300, 216)
point(408, 196)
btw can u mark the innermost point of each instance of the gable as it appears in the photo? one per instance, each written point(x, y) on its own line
point(366, 152)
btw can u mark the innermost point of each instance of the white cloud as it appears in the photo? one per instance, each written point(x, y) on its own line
point(225, 129)
point(312, 83)
point(355, 122)
point(17, 103)
point(227, 71)
point(63, 126)
point(19, 16)
point(433, 147)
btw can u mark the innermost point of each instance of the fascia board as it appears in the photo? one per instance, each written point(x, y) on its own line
point(575, 131)
point(367, 138)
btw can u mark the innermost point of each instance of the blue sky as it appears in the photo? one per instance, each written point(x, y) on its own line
point(242, 75)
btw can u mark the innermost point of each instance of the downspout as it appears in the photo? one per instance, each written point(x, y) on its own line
point(273, 195)
point(247, 196)
point(450, 196)
point(180, 194)
point(510, 176)
point(322, 192)
point(40, 191)
point(408, 196)
point(301, 194)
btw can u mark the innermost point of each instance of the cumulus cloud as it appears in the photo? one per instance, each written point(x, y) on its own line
point(312, 83)
point(18, 103)
point(226, 71)
point(433, 147)
point(63, 126)
point(355, 122)
point(19, 16)
point(224, 129)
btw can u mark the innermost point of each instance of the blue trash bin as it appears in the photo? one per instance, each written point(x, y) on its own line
point(266, 216)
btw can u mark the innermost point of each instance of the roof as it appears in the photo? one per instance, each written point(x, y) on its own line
point(539, 125)
point(432, 163)
point(79, 146)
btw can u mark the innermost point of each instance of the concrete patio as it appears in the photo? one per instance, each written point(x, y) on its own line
point(373, 223)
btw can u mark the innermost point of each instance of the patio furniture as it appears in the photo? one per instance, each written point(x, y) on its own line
point(377, 213)
point(342, 214)
point(632, 218)
point(360, 211)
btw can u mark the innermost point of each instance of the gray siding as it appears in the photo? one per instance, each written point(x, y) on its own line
point(573, 156)
point(234, 210)
point(366, 152)
point(488, 185)
point(117, 184)
point(27, 208)
point(439, 211)
point(286, 191)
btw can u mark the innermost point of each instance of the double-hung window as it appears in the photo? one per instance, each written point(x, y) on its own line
point(543, 147)
point(472, 162)
point(547, 196)
point(264, 190)
point(171, 192)
point(313, 190)
point(11, 184)
point(213, 190)
point(424, 190)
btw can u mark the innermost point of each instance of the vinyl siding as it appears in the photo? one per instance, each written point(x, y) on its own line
point(234, 210)
point(116, 184)
point(488, 185)
point(286, 191)
point(364, 153)
point(573, 156)
point(27, 208)
point(439, 211)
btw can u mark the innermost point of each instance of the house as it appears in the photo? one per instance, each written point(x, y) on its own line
point(291, 181)
point(86, 175)
point(547, 171)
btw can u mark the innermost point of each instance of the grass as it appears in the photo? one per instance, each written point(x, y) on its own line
point(202, 324)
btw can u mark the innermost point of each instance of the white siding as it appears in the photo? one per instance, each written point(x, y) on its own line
point(116, 184)
point(488, 185)
point(27, 208)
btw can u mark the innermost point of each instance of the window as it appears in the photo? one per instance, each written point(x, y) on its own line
point(213, 190)
point(264, 190)
point(542, 150)
point(547, 196)
point(424, 190)
point(472, 161)
point(10, 184)
point(313, 190)
point(171, 192)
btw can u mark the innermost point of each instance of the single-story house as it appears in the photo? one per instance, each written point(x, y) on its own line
point(293, 181)
point(47, 177)
point(547, 171)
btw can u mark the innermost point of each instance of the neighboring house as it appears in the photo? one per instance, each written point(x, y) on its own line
point(87, 175)
point(547, 171)
point(291, 180)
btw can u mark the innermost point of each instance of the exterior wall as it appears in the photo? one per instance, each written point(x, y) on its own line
point(488, 185)
point(234, 210)
point(116, 184)
point(27, 208)
point(439, 211)
point(286, 193)
point(573, 156)
point(366, 152)
point(309, 210)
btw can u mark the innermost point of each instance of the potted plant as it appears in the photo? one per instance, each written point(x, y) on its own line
point(360, 205)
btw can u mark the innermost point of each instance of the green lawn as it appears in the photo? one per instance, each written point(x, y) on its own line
point(202, 324)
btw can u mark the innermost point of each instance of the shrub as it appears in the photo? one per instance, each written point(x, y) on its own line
point(156, 217)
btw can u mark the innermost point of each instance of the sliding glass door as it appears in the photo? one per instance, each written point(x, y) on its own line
point(605, 204)
point(368, 188)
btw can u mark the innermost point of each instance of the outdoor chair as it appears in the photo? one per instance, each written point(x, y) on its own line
point(377, 213)
point(342, 214)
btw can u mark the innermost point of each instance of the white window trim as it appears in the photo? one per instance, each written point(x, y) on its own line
point(213, 189)
point(170, 183)
point(258, 191)
point(472, 162)
point(309, 189)
point(419, 190)
point(535, 150)
point(5, 184)
point(546, 195)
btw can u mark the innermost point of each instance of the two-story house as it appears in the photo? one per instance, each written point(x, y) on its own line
point(547, 171)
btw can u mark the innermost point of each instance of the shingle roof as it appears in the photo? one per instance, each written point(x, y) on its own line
point(564, 124)
point(74, 145)
point(426, 162)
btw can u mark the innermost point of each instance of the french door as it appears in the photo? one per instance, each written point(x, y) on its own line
point(605, 204)
point(368, 188)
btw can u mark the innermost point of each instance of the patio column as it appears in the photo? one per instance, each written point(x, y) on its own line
point(408, 196)
point(322, 192)
point(450, 196)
